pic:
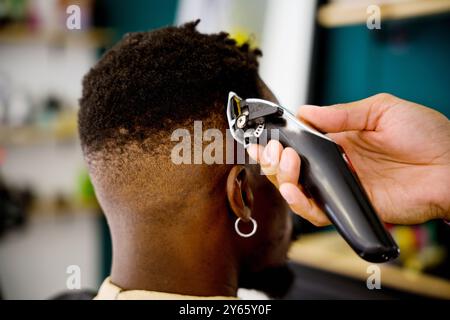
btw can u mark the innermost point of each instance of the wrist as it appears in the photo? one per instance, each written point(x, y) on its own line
point(443, 202)
point(446, 198)
point(436, 199)
point(446, 213)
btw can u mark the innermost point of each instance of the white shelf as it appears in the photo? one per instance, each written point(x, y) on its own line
point(340, 13)
point(30, 136)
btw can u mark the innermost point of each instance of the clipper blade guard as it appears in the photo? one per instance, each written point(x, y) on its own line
point(246, 118)
point(326, 174)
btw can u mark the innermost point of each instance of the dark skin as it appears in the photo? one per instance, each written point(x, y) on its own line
point(203, 255)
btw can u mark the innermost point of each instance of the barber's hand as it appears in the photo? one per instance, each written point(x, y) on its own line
point(400, 150)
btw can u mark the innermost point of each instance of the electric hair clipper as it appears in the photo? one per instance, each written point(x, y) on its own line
point(326, 173)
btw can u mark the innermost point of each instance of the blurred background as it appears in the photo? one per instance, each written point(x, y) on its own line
point(315, 52)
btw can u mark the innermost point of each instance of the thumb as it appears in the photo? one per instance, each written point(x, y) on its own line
point(359, 115)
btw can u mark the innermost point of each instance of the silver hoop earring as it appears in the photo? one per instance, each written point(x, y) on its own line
point(245, 235)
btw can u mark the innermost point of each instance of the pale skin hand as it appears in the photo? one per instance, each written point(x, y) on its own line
point(399, 149)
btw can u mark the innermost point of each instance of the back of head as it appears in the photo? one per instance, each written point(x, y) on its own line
point(141, 90)
point(173, 225)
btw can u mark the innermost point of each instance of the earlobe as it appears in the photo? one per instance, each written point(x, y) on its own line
point(239, 194)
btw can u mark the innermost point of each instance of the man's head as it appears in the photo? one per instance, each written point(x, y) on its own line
point(143, 89)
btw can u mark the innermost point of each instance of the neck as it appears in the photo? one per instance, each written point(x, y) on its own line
point(175, 261)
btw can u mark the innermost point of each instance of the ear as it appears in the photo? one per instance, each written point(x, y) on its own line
point(239, 193)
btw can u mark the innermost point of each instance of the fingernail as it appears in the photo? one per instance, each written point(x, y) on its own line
point(270, 154)
point(266, 155)
point(286, 164)
point(306, 107)
point(287, 194)
point(253, 151)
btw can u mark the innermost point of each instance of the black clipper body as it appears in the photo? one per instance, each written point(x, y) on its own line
point(326, 173)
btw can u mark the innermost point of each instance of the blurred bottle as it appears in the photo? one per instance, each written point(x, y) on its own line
point(43, 15)
point(13, 11)
point(419, 246)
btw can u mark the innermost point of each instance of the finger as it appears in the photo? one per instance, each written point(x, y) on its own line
point(270, 158)
point(359, 115)
point(289, 168)
point(256, 152)
point(302, 205)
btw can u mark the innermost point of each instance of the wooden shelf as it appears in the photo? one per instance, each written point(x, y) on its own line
point(21, 34)
point(48, 207)
point(30, 136)
point(338, 13)
point(328, 251)
point(62, 128)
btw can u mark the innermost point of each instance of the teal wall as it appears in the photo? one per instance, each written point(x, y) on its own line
point(138, 15)
point(410, 59)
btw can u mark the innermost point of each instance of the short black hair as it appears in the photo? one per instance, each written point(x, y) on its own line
point(155, 81)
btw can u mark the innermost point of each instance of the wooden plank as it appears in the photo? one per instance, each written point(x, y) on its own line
point(328, 251)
